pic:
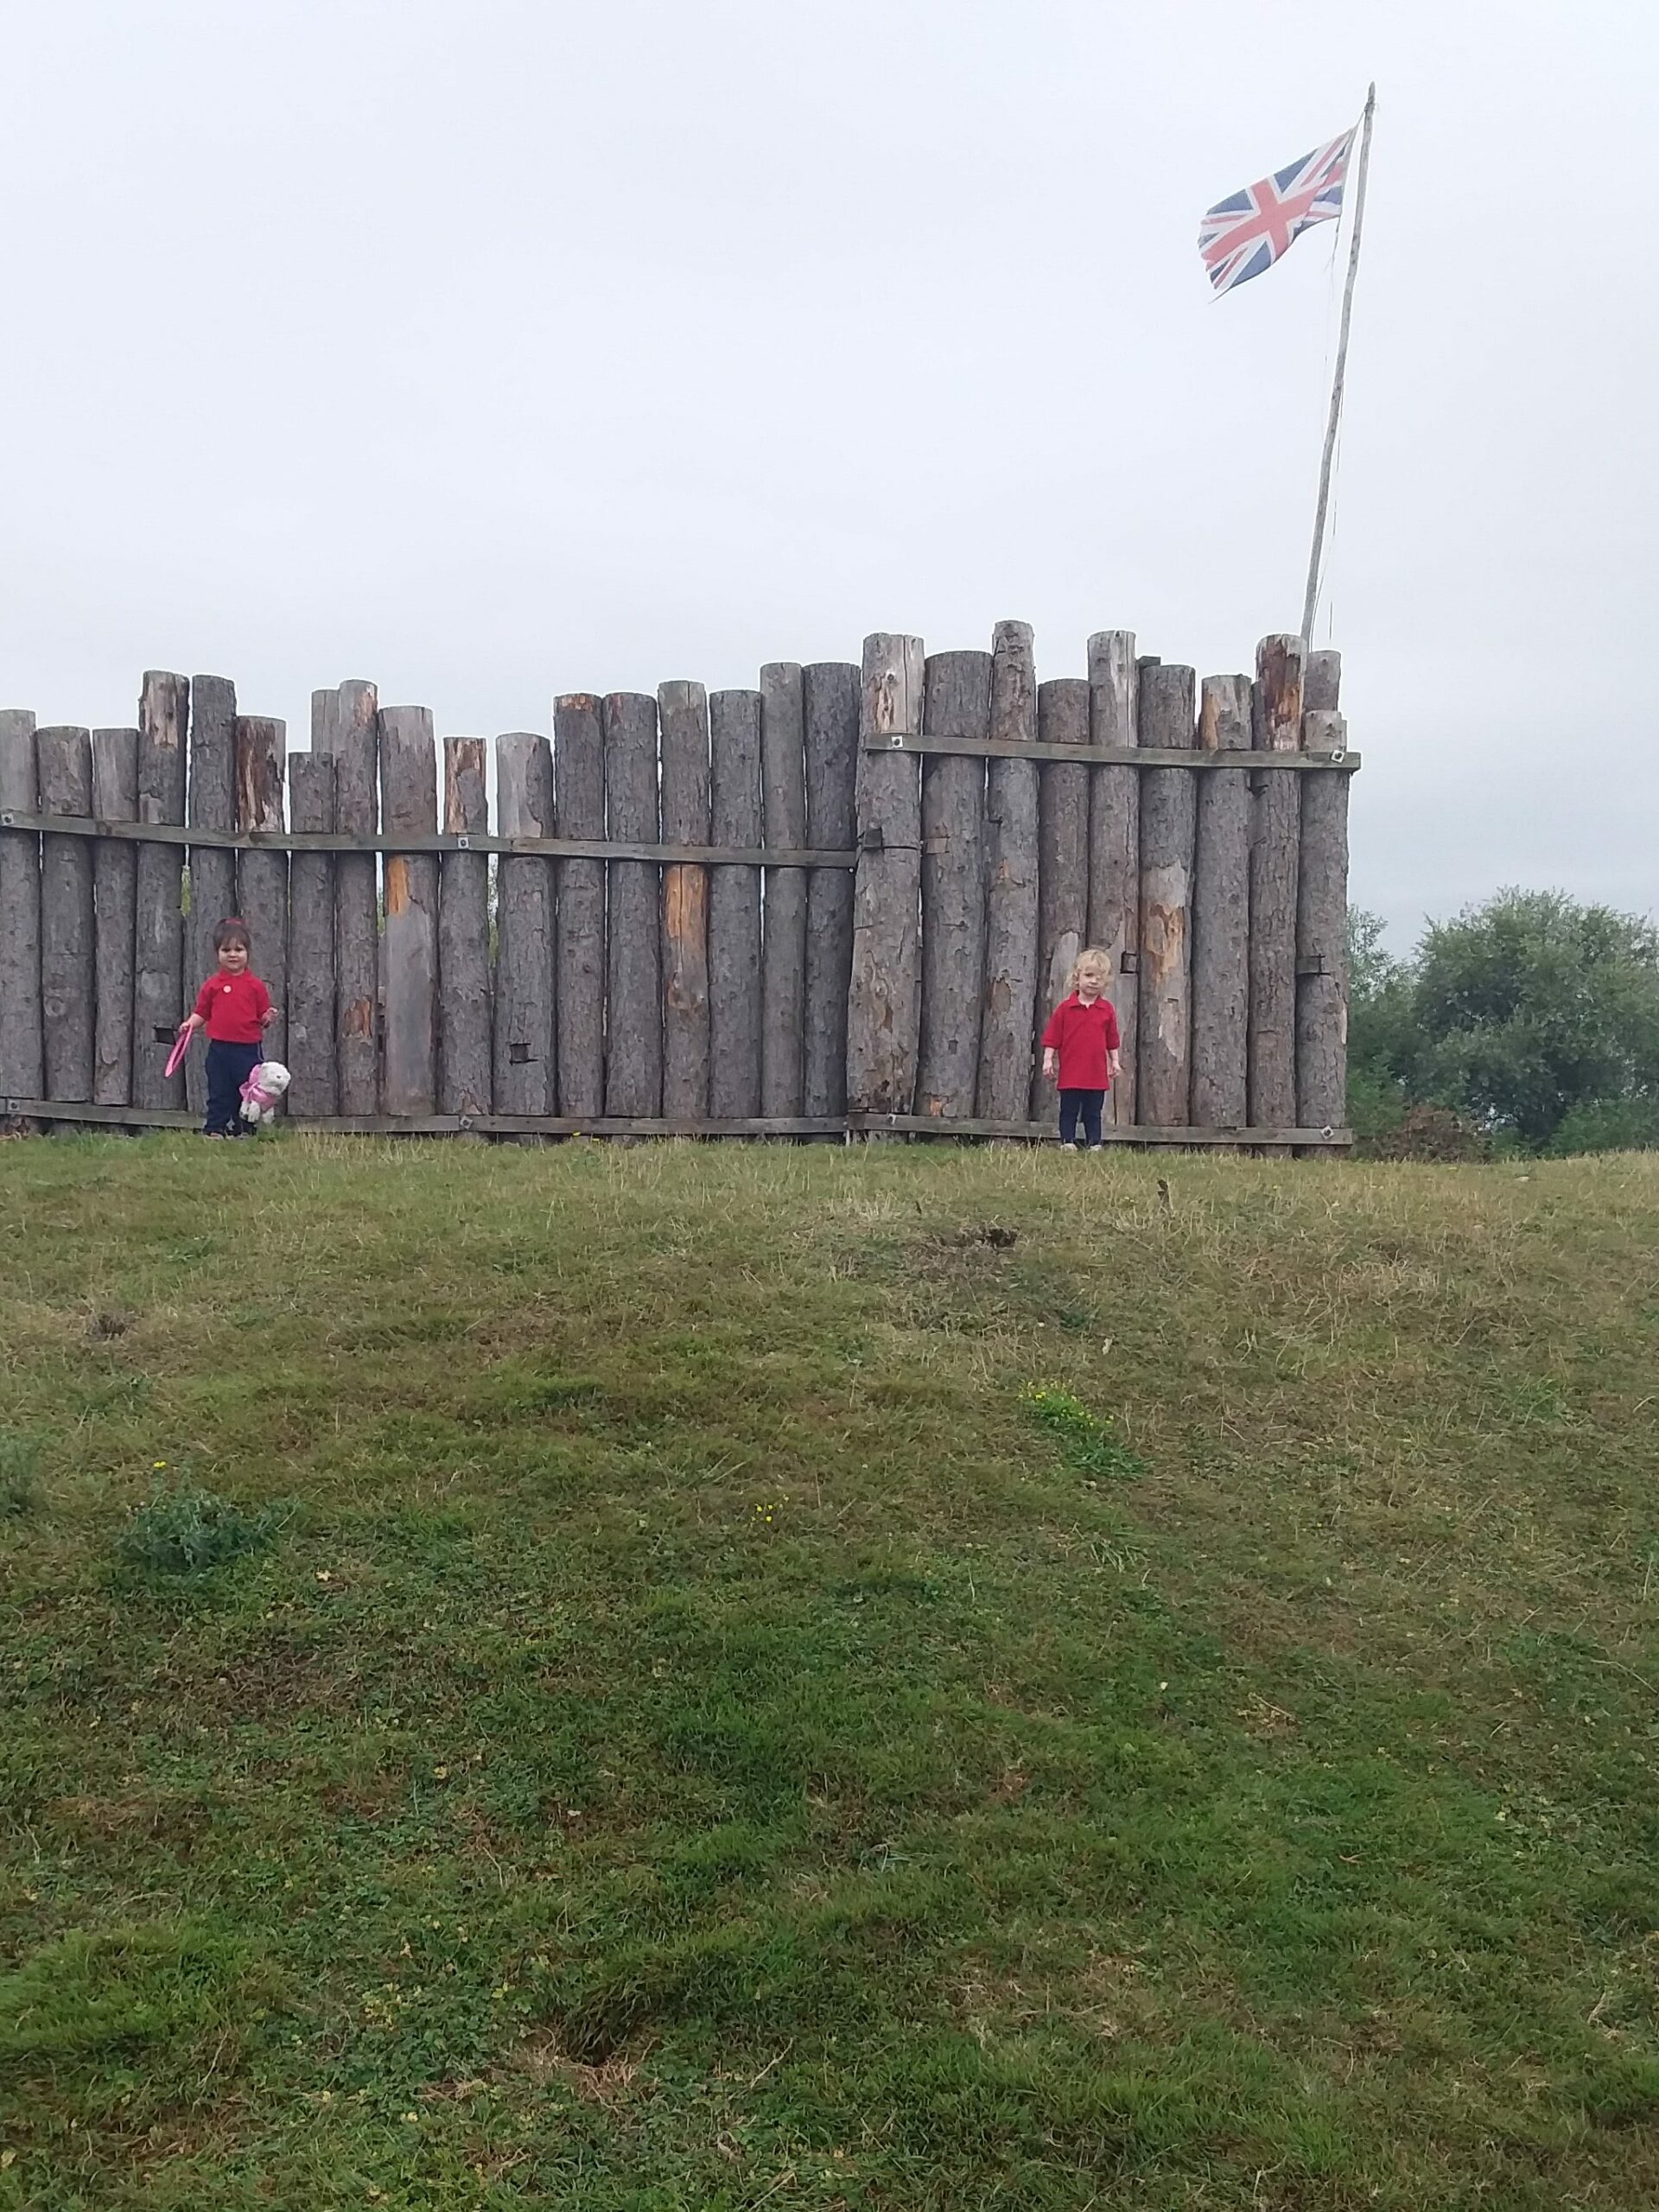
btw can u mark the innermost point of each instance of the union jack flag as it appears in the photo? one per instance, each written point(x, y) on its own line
point(1246, 232)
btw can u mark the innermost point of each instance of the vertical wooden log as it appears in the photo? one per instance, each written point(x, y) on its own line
point(1063, 811)
point(1220, 911)
point(883, 1003)
point(526, 1066)
point(1007, 1023)
point(1321, 686)
point(1322, 930)
point(633, 1069)
point(782, 995)
point(683, 709)
point(734, 909)
point(356, 733)
point(464, 1044)
point(956, 702)
point(409, 942)
point(115, 884)
point(1115, 846)
point(262, 877)
point(212, 868)
point(829, 695)
point(158, 933)
point(1276, 727)
point(579, 791)
point(1169, 816)
point(23, 1065)
point(312, 1061)
point(65, 758)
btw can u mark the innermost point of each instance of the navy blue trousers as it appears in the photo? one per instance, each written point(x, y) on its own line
point(1087, 1104)
point(229, 1067)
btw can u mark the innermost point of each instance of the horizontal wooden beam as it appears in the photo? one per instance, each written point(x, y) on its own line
point(1135, 1135)
point(1122, 756)
point(823, 1125)
point(292, 841)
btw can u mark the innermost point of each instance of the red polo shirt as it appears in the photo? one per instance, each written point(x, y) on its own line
point(1083, 1036)
point(233, 1008)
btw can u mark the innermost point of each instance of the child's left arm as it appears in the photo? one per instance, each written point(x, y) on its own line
point(267, 1012)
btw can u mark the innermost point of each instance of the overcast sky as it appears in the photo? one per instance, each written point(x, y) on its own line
point(491, 349)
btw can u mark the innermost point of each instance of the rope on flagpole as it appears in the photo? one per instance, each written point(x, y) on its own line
point(1310, 601)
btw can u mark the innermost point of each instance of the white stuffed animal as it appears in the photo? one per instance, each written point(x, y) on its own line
point(262, 1090)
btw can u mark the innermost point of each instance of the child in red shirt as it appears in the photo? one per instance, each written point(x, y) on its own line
point(234, 1007)
point(1080, 1045)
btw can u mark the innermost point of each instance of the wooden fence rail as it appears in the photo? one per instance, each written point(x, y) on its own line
point(841, 904)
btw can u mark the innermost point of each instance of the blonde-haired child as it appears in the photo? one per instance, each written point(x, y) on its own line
point(1080, 1047)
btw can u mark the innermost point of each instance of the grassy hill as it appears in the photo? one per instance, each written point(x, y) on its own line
point(809, 1678)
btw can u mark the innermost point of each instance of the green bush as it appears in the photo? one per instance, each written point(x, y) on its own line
point(1609, 1125)
point(187, 1531)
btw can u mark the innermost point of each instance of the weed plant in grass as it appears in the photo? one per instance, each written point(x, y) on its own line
point(720, 1729)
point(20, 1459)
point(186, 1531)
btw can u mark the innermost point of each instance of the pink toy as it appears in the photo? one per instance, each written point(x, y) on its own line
point(262, 1091)
point(175, 1057)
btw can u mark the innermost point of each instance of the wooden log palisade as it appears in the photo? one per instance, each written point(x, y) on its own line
point(841, 904)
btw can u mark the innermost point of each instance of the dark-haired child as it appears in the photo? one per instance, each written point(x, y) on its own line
point(234, 1007)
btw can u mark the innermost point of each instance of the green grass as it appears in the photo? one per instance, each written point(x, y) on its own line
point(752, 1691)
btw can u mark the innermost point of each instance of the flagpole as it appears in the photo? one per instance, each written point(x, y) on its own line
point(1312, 600)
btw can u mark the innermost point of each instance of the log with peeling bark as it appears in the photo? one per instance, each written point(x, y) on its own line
point(1008, 1015)
point(683, 714)
point(1169, 803)
point(262, 877)
point(884, 1006)
point(158, 928)
point(1115, 846)
point(579, 793)
point(408, 944)
point(115, 886)
point(1220, 910)
point(526, 1065)
point(1276, 727)
point(956, 702)
point(634, 1059)
point(1063, 814)
point(829, 695)
point(212, 805)
point(313, 1066)
point(64, 758)
point(1322, 927)
point(464, 1040)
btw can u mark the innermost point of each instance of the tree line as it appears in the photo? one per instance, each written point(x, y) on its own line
point(1529, 1023)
